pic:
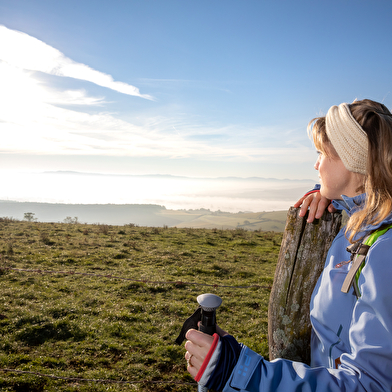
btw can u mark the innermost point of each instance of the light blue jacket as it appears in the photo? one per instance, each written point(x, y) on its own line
point(351, 344)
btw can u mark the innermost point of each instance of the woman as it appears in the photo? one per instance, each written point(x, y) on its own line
point(351, 346)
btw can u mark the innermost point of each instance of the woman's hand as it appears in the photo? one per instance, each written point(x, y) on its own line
point(316, 204)
point(198, 345)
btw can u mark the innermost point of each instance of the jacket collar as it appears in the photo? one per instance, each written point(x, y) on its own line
point(350, 204)
point(353, 204)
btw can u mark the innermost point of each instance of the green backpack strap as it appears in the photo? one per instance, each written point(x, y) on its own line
point(360, 251)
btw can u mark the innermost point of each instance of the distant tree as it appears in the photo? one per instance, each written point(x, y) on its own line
point(71, 220)
point(29, 217)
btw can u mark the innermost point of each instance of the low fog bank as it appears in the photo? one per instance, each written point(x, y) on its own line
point(228, 194)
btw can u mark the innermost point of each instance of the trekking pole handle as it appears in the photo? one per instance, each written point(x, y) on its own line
point(208, 303)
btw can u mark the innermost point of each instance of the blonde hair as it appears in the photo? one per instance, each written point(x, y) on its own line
point(376, 121)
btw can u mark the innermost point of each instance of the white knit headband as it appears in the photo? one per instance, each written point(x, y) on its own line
point(347, 137)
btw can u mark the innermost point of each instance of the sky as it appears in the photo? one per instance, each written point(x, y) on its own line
point(186, 88)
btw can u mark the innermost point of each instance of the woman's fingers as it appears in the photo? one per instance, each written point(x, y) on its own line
point(317, 207)
point(196, 350)
point(315, 204)
point(299, 202)
point(193, 364)
point(199, 338)
point(306, 202)
point(197, 346)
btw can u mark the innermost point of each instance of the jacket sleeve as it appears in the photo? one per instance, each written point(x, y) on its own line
point(368, 365)
point(252, 374)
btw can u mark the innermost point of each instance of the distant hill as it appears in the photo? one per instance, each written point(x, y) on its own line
point(265, 221)
point(145, 215)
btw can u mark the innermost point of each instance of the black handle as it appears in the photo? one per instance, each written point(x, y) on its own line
point(205, 313)
point(208, 322)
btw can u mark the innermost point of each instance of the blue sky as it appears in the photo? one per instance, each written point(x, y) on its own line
point(191, 88)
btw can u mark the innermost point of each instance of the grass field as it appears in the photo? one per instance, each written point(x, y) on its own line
point(103, 302)
point(265, 221)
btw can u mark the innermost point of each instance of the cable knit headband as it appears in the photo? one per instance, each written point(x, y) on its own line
point(347, 137)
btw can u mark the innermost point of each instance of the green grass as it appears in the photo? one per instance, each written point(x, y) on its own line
point(79, 323)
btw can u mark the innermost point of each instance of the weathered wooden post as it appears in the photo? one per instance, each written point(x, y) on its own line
point(301, 260)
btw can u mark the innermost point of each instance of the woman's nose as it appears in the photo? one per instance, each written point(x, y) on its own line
point(317, 164)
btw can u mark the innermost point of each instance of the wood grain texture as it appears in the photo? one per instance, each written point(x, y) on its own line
point(301, 260)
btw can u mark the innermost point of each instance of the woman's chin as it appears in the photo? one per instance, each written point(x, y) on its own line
point(326, 194)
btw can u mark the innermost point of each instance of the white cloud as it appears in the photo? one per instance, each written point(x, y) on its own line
point(30, 122)
point(26, 52)
point(33, 121)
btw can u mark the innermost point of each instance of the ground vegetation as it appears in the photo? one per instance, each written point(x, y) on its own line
point(102, 302)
